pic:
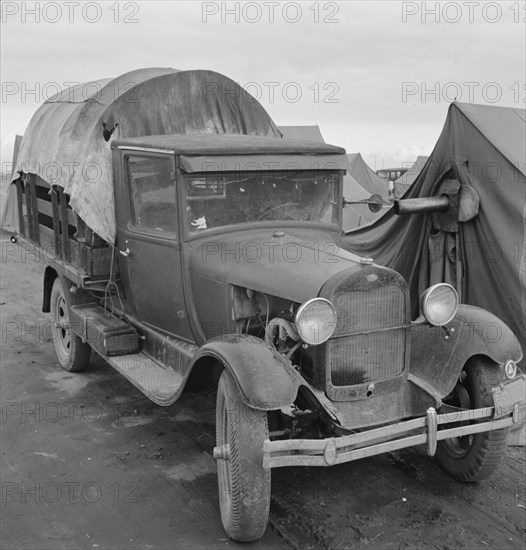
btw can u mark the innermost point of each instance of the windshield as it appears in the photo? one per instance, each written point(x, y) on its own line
point(229, 198)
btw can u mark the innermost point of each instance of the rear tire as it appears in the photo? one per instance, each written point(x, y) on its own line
point(72, 354)
point(477, 456)
point(244, 485)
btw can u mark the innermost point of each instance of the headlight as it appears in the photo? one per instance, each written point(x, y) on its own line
point(510, 369)
point(439, 304)
point(315, 321)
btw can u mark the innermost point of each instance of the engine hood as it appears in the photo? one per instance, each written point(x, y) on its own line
point(281, 263)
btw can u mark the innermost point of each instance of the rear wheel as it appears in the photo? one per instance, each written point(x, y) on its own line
point(474, 457)
point(244, 485)
point(73, 354)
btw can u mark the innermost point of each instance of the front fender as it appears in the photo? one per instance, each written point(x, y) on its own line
point(438, 354)
point(265, 379)
point(490, 334)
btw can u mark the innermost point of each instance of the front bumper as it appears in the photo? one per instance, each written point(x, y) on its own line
point(509, 409)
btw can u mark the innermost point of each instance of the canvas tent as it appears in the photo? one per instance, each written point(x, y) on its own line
point(357, 215)
point(304, 133)
point(404, 182)
point(354, 215)
point(366, 177)
point(483, 147)
point(67, 142)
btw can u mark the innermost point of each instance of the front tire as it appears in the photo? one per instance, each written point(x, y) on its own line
point(244, 485)
point(476, 456)
point(72, 354)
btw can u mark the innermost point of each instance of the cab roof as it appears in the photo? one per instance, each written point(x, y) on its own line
point(227, 144)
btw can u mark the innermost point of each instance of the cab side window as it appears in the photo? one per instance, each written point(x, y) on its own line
point(152, 192)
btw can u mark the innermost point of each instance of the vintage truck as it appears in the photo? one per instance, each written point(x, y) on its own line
point(226, 266)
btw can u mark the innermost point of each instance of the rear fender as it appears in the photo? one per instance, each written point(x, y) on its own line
point(75, 297)
point(49, 277)
point(438, 354)
point(265, 379)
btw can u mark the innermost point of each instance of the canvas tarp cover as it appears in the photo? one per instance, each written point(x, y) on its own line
point(64, 142)
point(484, 147)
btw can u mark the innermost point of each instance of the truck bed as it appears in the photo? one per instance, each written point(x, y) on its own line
point(47, 222)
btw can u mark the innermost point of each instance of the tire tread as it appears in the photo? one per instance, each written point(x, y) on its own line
point(80, 353)
point(488, 448)
point(247, 429)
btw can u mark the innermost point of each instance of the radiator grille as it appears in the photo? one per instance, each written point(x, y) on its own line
point(368, 344)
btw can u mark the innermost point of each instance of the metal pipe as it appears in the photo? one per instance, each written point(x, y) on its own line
point(422, 204)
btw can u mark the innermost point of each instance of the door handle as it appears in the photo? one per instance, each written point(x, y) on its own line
point(125, 253)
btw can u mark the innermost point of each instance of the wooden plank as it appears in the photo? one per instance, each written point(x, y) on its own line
point(42, 183)
point(47, 231)
point(72, 220)
point(28, 211)
point(97, 261)
point(45, 207)
point(62, 268)
point(63, 214)
point(75, 253)
point(19, 193)
point(33, 191)
point(81, 229)
point(56, 228)
point(47, 239)
point(89, 236)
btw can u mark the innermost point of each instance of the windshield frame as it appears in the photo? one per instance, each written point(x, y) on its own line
point(274, 224)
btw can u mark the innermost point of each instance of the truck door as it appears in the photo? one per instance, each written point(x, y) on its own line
point(148, 240)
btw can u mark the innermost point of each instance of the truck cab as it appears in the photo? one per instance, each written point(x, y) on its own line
point(187, 203)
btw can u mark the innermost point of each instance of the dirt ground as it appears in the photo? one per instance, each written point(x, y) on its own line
point(88, 462)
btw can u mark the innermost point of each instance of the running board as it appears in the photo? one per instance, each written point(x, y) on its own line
point(162, 385)
point(118, 343)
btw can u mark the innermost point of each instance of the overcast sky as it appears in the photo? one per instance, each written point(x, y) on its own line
point(377, 77)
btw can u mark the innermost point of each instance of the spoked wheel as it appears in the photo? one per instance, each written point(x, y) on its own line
point(73, 354)
point(244, 485)
point(474, 457)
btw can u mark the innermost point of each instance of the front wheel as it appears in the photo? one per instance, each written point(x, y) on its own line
point(244, 485)
point(474, 457)
point(73, 354)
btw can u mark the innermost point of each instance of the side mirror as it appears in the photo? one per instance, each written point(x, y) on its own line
point(374, 202)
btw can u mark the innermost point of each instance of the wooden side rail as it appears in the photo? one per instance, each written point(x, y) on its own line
point(48, 222)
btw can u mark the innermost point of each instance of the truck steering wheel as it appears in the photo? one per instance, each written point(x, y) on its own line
point(277, 207)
